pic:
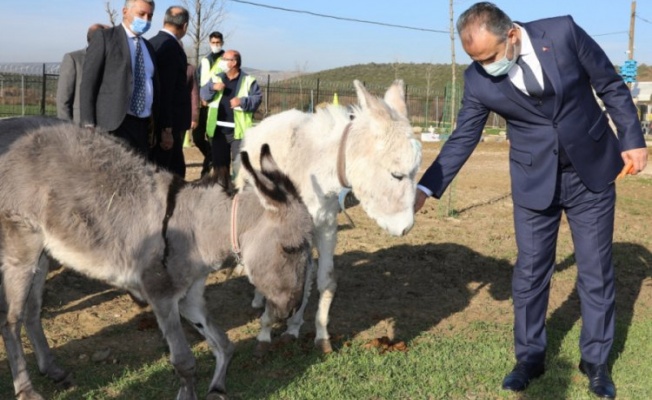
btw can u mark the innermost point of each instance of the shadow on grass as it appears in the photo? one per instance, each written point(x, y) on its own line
point(415, 286)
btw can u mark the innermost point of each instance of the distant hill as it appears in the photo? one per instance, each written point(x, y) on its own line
point(414, 75)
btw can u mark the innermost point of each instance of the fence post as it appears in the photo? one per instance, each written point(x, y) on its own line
point(317, 97)
point(43, 92)
point(267, 97)
point(22, 94)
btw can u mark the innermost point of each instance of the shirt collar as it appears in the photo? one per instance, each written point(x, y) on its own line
point(526, 43)
point(130, 34)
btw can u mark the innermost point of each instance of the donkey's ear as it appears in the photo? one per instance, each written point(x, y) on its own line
point(364, 98)
point(395, 97)
point(262, 184)
point(267, 162)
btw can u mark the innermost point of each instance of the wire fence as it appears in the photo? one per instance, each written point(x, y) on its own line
point(30, 89)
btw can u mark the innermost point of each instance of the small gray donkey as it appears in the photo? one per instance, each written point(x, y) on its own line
point(93, 205)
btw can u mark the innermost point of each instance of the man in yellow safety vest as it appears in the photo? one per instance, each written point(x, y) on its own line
point(233, 96)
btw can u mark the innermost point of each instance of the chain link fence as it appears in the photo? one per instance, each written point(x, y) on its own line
point(30, 89)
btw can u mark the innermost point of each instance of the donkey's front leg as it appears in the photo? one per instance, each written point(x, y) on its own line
point(296, 320)
point(193, 309)
point(325, 240)
point(167, 314)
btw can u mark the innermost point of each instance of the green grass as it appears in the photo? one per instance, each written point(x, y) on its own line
point(468, 364)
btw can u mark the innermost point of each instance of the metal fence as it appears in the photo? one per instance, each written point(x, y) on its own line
point(31, 90)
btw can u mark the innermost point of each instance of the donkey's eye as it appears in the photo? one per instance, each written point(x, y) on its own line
point(398, 176)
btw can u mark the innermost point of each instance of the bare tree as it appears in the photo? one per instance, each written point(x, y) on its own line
point(113, 13)
point(205, 16)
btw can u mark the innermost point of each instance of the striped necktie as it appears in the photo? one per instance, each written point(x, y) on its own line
point(137, 105)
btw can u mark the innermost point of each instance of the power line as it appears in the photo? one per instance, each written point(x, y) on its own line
point(340, 18)
point(383, 23)
point(611, 33)
point(643, 19)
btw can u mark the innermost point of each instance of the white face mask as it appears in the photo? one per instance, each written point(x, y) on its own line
point(215, 48)
point(223, 65)
point(502, 66)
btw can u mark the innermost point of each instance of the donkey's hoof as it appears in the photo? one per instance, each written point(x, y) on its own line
point(262, 348)
point(287, 338)
point(324, 345)
point(217, 395)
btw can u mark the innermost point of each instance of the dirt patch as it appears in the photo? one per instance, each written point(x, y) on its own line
point(447, 273)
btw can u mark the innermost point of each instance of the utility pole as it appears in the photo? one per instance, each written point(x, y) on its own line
point(452, 31)
point(632, 20)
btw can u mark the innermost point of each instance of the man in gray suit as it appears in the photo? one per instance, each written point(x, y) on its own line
point(119, 89)
point(70, 74)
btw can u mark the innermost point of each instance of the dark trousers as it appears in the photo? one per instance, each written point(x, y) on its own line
point(225, 148)
point(134, 131)
point(591, 219)
point(225, 151)
point(173, 159)
point(199, 139)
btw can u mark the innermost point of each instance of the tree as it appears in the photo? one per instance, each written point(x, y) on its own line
point(205, 16)
point(113, 13)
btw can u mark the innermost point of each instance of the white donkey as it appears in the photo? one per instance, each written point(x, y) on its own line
point(101, 210)
point(375, 154)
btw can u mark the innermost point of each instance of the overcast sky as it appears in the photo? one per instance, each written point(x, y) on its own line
point(274, 39)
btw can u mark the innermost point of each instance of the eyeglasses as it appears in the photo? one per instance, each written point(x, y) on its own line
point(228, 59)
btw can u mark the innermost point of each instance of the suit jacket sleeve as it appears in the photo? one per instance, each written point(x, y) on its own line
point(66, 87)
point(610, 87)
point(457, 149)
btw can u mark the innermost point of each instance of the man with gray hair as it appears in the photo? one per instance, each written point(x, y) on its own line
point(175, 107)
point(119, 89)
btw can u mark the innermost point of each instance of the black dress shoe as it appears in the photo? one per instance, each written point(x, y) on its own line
point(600, 383)
point(520, 377)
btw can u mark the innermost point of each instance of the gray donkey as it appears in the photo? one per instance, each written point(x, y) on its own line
point(90, 203)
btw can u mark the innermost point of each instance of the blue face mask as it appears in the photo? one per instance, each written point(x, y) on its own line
point(140, 26)
point(502, 66)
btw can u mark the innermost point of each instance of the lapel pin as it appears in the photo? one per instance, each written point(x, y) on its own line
point(545, 48)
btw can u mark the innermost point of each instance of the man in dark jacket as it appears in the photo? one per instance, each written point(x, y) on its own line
point(564, 157)
point(175, 107)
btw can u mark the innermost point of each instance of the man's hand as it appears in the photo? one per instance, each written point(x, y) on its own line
point(166, 139)
point(638, 157)
point(235, 102)
point(218, 86)
point(193, 125)
point(419, 200)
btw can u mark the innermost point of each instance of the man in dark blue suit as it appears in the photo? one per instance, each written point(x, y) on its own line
point(174, 104)
point(564, 157)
